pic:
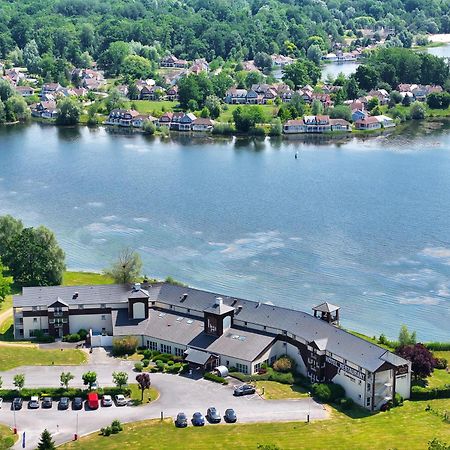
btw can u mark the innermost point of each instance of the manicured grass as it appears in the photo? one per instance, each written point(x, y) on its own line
point(407, 427)
point(150, 395)
point(6, 330)
point(278, 391)
point(438, 378)
point(153, 106)
point(6, 304)
point(7, 437)
point(81, 278)
point(15, 355)
point(370, 339)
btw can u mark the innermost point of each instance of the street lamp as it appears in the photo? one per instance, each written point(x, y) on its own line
point(309, 406)
point(15, 424)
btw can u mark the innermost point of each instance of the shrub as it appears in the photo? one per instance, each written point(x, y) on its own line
point(145, 362)
point(212, 377)
point(284, 364)
point(284, 378)
point(398, 399)
point(125, 346)
point(184, 368)
point(328, 392)
point(224, 129)
point(75, 337)
point(346, 403)
point(83, 334)
point(138, 366)
point(440, 363)
point(438, 346)
point(43, 338)
point(116, 426)
point(174, 368)
point(106, 431)
point(421, 393)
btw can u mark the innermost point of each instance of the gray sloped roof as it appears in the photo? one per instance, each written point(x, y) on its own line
point(197, 356)
point(326, 307)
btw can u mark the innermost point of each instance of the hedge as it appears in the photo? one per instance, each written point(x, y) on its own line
point(328, 392)
point(438, 346)
point(55, 393)
point(211, 377)
point(421, 393)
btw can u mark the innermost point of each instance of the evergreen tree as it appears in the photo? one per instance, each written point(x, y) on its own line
point(46, 442)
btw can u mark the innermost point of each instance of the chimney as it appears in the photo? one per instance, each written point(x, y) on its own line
point(75, 296)
point(219, 301)
point(183, 298)
point(239, 309)
point(137, 287)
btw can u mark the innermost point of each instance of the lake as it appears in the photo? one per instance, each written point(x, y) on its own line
point(363, 223)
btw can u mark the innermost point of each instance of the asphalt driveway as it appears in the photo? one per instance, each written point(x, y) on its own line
point(177, 393)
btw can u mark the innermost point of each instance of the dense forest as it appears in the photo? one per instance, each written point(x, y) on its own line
point(238, 29)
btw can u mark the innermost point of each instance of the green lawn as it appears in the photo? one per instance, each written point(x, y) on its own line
point(7, 438)
point(150, 395)
point(6, 304)
point(439, 378)
point(153, 107)
point(81, 278)
point(408, 427)
point(277, 391)
point(15, 355)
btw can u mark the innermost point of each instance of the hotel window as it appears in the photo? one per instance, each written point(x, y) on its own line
point(179, 351)
point(34, 319)
point(152, 345)
point(257, 367)
point(34, 308)
point(103, 305)
point(80, 306)
point(103, 317)
point(243, 368)
point(368, 401)
point(166, 348)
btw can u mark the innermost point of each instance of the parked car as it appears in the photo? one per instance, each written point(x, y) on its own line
point(244, 389)
point(63, 403)
point(34, 402)
point(213, 415)
point(181, 420)
point(92, 400)
point(198, 420)
point(230, 416)
point(77, 403)
point(47, 402)
point(121, 400)
point(1, 402)
point(94, 386)
point(107, 400)
point(17, 403)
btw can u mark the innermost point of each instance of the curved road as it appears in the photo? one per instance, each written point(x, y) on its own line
point(177, 393)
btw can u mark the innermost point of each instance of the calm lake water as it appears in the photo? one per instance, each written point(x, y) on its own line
point(360, 223)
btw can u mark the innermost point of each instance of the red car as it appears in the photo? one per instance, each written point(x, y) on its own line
point(92, 400)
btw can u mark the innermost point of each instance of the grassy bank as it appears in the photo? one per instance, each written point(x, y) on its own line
point(271, 390)
point(7, 438)
point(380, 431)
point(83, 278)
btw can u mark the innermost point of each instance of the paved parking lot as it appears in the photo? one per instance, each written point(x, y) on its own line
point(178, 393)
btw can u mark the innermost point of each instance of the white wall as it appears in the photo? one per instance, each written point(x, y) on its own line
point(354, 387)
point(294, 353)
point(29, 324)
point(403, 385)
point(90, 321)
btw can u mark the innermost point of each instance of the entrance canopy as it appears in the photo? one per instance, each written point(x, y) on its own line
point(197, 357)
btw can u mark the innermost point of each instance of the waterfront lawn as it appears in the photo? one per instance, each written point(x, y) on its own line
point(85, 278)
point(15, 355)
point(278, 391)
point(150, 395)
point(7, 437)
point(407, 427)
point(153, 107)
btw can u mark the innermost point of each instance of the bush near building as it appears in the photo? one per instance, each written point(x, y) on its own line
point(328, 392)
point(284, 364)
point(125, 346)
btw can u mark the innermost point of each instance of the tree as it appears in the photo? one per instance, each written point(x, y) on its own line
point(120, 379)
point(406, 100)
point(341, 112)
point(35, 258)
point(46, 442)
point(115, 100)
point(5, 283)
point(436, 444)
point(405, 337)
point(144, 382)
point(17, 108)
point(418, 111)
point(406, 38)
point(301, 72)
point(214, 106)
point(263, 61)
point(65, 378)
point(247, 117)
point(31, 56)
point(374, 101)
point(316, 107)
point(367, 77)
point(395, 97)
point(19, 381)
point(314, 53)
point(111, 60)
point(421, 358)
point(351, 87)
point(148, 127)
point(6, 90)
point(69, 112)
point(126, 268)
point(89, 378)
point(10, 228)
point(135, 67)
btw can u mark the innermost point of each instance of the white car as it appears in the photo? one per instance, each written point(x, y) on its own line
point(34, 402)
point(107, 400)
point(121, 400)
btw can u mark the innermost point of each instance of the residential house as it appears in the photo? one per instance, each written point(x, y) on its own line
point(172, 93)
point(368, 123)
point(381, 94)
point(78, 92)
point(165, 120)
point(385, 121)
point(44, 109)
point(235, 96)
point(51, 88)
point(176, 118)
point(185, 123)
point(151, 92)
point(202, 124)
point(358, 114)
point(173, 61)
point(123, 89)
point(198, 66)
point(340, 125)
point(24, 91)
point(294, 126)
point(138, 121)
point(121, 117)
point(281, 60)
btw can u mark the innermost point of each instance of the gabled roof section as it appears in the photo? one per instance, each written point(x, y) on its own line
point(219, 309)
point(57, 303)
point(326, 307)
point(141, 293)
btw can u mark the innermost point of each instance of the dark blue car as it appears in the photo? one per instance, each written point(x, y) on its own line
point(198, 420)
